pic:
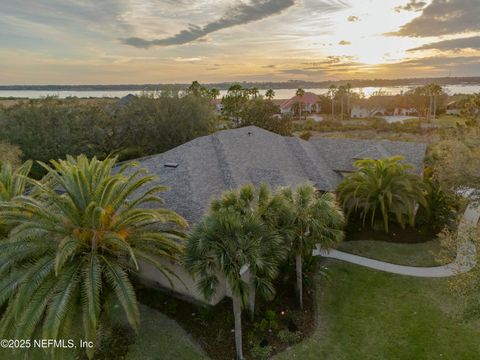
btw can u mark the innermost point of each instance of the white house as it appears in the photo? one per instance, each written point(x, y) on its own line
point(400, 111)
point(453, 108)
point(362, 111)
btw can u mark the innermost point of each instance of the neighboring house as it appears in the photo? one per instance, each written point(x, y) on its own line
point(202, 169)
point(120, 104)
point(365, 108)
point(218, 106)
point(362, 112)
point(310, 104)
point(453, 108)
point(400, 111)
point(124, 101)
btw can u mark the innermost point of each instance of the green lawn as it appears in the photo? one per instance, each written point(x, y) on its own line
point(449, 120)
point(161, 338)
point(421, 254)
point(366, 314)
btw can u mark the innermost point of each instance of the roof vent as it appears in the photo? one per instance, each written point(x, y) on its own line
point(171, 164)
point(249, 133)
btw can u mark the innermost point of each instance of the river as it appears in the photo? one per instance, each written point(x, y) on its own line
point(279, 93)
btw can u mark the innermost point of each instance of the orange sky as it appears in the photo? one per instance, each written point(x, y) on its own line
point(152, 41)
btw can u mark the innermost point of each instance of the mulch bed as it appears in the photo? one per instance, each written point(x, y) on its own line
point(396, 234)
point(212, 326)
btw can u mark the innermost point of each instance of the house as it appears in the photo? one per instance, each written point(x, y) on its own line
point(405, 111)
point(124, 101)
point(120, 104)
point(217, 103)
point(366, 108)
point(362, 112)
point(453, 108)
point(203, 168)
point(310, 104)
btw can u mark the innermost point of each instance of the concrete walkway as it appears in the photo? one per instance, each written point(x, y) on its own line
point(466, 254)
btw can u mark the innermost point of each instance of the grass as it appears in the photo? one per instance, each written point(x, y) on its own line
point(162, 338)
point(421, 254)
point(449, 120)
point(365, 315)
point(212, 326)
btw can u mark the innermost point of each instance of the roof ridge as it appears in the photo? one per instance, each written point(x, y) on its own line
point(227, 174)
point(381, 149)
point(309, 165)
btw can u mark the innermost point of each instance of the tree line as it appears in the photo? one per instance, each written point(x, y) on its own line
point(51, 128)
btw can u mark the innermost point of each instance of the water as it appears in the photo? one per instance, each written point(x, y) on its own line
point(279, 93)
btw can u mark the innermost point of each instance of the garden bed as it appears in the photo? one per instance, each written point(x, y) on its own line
point(277, 324)
point(409, 235)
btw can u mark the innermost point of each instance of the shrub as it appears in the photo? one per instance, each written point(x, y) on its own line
point(441, 206)
point(382, 191)
point(269, 321)
point(289, 337)
point(10, 154)
point(309, 124)
point(261, 352)
point(265, 114)
point(306, 135)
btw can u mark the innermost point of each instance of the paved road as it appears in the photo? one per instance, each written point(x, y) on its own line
point(466, 255)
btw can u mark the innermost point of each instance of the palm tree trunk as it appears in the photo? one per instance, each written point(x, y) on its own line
point(237, 313)
point(298, 266)
point(251, 298)
point(430, 108)
point(434, 107)
point(348, 106)
point(341, 117)
point(333, 109)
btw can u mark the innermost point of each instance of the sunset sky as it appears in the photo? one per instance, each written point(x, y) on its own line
point(167, 41)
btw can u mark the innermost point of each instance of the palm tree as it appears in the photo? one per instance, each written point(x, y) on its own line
point(271, 210)
point(332, 93)
point(270, 94)
point(13, 181)
point(300, 93)
point(434, 90)
point(341, 93)
point(380, 189)
point(314, 219)
point(348, 92)
point(214, 93)
point(12, 184)
point(75, 241)
point(224, 244)
point(254, 92)
point(195, 88)
point(470, 107)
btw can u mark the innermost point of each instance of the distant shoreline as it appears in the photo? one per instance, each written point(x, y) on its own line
point(293, 84)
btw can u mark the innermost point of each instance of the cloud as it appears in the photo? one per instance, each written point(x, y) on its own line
point(189, 59)
point(344, 42)
point(472, 42)
point(412, 5)
point(326, 66)
point(443, 17)
point(353, 18)
point(329, 60)
point(241, 13)
point(99, 15)
point(435, 65)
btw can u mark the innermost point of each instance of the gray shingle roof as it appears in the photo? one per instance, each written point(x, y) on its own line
point(227, 159)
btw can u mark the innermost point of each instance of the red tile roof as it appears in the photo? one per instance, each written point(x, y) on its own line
point(308, 98)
